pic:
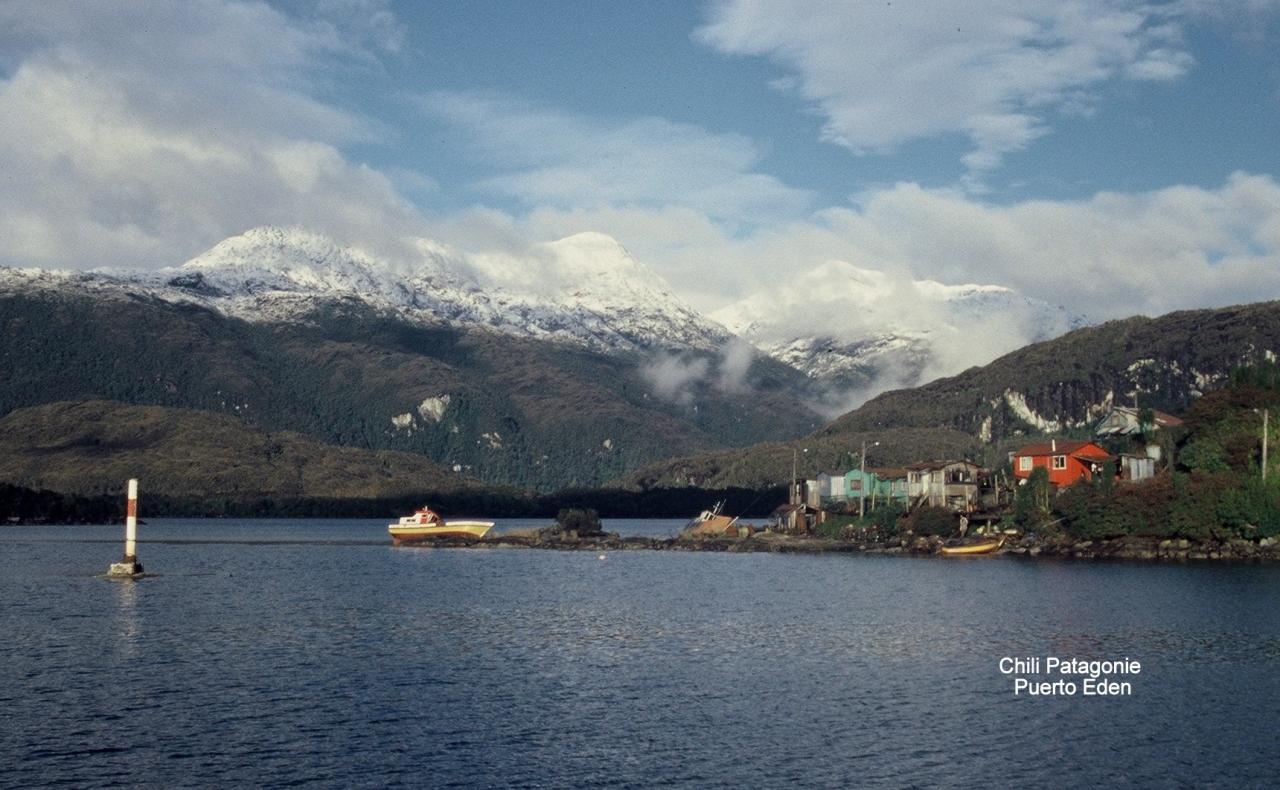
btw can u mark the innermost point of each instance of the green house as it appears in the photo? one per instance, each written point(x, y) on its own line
point(880, 484)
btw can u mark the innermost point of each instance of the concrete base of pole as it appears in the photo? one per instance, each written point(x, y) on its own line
point(125, 570)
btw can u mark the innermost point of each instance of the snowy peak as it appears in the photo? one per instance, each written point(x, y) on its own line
point(849, 302)
point(862, 331)
point(585, 289)
point(595, 260)
point(279, 249)
point(293, 260)
point(598, 274)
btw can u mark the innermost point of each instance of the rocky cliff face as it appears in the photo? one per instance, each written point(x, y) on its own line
point(1070, 382)
point(1059, 386)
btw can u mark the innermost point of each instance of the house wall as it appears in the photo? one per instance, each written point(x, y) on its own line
point(932, 484)
point(812, 493)
point(1073, 472)
point(874, 486)
point(892, 489)
point(1137, 468)
point(832, 487)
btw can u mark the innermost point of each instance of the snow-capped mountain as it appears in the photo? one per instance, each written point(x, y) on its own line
point(854, 331)
point(583, 289)
point(862, 332)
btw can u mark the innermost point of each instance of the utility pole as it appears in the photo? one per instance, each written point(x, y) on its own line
point(795, 455)
point(862, 482)
point(795, 498)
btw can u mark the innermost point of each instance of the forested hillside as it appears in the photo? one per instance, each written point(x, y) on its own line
point(506, 410)
point(1061, 387)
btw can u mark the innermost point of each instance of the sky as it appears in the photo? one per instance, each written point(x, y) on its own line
point(1112, 157)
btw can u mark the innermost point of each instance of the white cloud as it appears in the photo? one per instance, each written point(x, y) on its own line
point(673, 376)
point(556, 160)
point(366, 21)
point(735, 363)
point(885, 330)
point(884, 74)
point(1109, 256)
point(142, 134)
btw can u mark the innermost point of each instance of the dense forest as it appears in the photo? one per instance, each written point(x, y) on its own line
point(1061, 387)
point(505, 410)
point(1213, 489)
point(27, 506)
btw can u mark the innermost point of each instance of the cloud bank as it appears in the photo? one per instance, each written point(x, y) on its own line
point(561, 161)
point(883, 74)
point(140, 134)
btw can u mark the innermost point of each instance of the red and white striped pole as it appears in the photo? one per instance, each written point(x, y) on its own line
point(129, 567)
point(131, 525)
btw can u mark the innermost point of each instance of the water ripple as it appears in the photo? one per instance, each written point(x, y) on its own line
point(338, 661)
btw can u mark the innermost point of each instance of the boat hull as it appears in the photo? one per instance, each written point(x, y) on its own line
point(987, 547)
point(713, 527)
point(473, 530)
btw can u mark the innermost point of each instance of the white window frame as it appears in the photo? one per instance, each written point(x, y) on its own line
point(1059, 462)
point(1025, 463)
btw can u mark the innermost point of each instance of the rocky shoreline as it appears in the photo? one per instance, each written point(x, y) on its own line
point(1062, 547)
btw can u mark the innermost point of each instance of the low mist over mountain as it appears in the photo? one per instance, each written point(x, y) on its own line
point(285, 330)
point(571, 365)
point(1061, 386)
point(859, 332)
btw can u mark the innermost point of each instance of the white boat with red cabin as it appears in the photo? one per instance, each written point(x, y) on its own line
point(425, 524)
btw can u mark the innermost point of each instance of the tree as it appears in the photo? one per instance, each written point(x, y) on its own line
point(583, 522)
point(1031, 504)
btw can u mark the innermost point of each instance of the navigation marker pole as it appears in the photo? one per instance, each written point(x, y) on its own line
point(129, 567)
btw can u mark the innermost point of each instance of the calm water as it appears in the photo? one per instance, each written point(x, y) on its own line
point(281, 653)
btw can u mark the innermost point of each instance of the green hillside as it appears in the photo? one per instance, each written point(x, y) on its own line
point(1168, 361)
point(1062, 387)
point(93, 447)
point(770, 464)
point(519, 412)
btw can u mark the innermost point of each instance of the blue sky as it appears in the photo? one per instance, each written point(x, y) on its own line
point(1114, 157)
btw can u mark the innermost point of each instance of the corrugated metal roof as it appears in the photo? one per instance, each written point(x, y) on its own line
point(1130, 416)
point(1064, 447)
point(922, 466)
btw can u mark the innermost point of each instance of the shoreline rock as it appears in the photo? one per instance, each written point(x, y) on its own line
point(1127, 548)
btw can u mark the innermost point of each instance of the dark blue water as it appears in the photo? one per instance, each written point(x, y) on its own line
point(281, 653)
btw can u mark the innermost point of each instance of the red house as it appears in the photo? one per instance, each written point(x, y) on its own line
point(1068, 461)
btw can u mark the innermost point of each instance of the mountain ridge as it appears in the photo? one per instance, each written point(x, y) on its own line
point(858, 332)
point(511, 410)
point(583, 289)
point(1059, 386)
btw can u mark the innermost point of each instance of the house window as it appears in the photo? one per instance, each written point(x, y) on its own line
point(1059, 462)
point(1024, 463)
